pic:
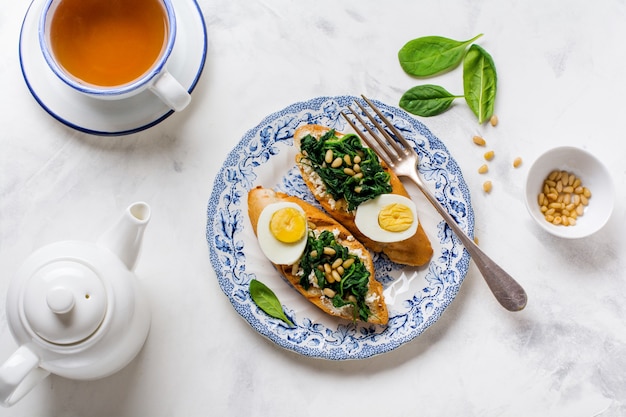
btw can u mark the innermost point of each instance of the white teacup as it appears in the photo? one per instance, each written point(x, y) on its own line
point(112, 49)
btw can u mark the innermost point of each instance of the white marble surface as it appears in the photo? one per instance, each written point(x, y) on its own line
point(561, 69)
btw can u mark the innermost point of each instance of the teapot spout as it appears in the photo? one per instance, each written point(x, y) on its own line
point(124, 238)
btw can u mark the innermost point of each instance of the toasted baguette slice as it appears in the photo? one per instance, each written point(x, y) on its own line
point(259, 198)
point(414, 251)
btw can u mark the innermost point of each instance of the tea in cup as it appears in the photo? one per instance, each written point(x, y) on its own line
point(112, 49)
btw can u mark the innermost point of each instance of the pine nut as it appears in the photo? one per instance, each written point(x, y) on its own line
point(329, 278)
point(489, 155)
point(479, 141)
point(559, 186)
point(337, 162)
point(357, 159)
point(487, 186)
point(313, 254)
point(346, 159)
point(356, 167)
point(541, 199)
point(571, 179)
point(349, 171)
point(329, 156)
point(337, 263)
point(493, 120)
point(340, 270)
point(348, 263)
point(483, 169)
point(328, 292)
point(336, 275)
point(329, 251)
point(517, 162)
point(327, 268)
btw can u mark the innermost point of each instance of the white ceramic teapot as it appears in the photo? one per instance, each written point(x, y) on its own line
point(76, 309)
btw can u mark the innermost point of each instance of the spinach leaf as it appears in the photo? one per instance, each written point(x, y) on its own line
point(479, 82)
point(427, 100)
point(267, 301)
point(431, 55)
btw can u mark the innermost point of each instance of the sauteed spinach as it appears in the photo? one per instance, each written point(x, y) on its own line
point(342, 181)
point(322, 251)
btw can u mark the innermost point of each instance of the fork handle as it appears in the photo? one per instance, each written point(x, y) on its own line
point(507, 291)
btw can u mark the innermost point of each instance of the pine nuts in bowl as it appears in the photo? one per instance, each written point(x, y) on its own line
point(569, 192)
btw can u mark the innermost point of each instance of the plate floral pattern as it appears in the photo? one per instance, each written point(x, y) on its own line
point(416, 297)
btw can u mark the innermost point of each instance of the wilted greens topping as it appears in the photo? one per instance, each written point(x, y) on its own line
point(323, 251)
point(366, 182)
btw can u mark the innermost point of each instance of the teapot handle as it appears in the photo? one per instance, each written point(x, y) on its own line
point(19, 374)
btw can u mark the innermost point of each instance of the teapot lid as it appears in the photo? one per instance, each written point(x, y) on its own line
point(64, 301)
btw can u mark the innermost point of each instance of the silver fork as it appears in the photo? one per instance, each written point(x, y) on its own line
point(402, 158)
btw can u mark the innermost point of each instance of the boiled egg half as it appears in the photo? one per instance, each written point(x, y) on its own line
point(282, 232)
point(387, 218)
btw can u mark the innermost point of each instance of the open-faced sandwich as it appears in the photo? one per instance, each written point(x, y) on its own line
point(317, 255)
point(361, 193)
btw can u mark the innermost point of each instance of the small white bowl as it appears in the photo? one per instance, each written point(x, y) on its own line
point(593, 175)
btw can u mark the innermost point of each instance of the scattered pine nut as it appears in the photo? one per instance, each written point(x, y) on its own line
point(479, 141)
point(489, 155)
point(483, 169)
point(487, 186)
point(517, 162)
point(493, 120)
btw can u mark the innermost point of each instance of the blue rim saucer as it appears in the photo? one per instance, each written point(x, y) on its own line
point(106, 117)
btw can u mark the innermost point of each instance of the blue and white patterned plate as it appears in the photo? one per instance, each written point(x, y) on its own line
point(416, 297)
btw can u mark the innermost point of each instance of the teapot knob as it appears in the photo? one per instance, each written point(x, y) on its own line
point(64, 301)
point(60, 300)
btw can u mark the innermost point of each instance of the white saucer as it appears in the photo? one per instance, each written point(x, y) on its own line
point(121, 117)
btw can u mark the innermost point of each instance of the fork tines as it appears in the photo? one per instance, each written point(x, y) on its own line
point(381, 144)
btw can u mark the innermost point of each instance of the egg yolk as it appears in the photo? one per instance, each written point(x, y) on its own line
point(395, 217)
point(288, 225)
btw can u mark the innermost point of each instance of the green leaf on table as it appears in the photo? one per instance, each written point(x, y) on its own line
point(427, 100)
point(431, 55)
point(479, 82)
point(267, 301)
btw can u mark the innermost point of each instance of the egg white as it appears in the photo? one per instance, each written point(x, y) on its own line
point(276, 251)
point(366, 218)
